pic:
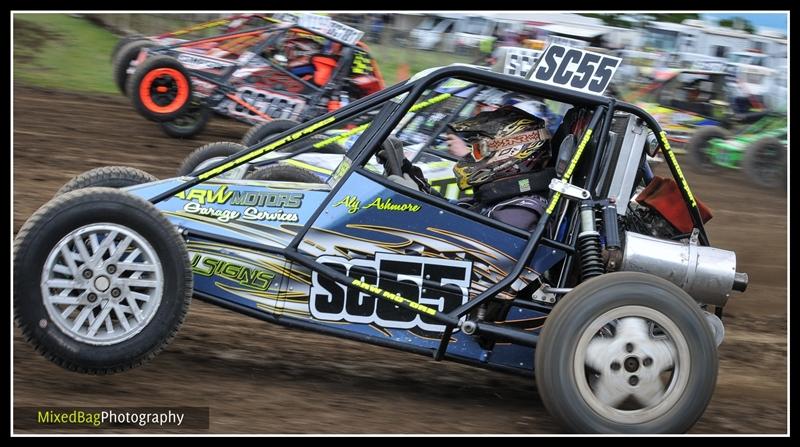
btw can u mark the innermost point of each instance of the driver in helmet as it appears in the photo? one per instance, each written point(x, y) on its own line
point(505, 157)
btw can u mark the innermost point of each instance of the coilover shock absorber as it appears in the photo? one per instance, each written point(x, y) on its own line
point(589, 245)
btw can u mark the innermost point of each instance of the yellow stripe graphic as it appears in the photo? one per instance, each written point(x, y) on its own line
point(570, 168)
point(270, 147)
point(674, 160)
point(377, 291)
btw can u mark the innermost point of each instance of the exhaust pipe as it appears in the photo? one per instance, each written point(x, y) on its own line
point(740, 281)
point(707, 274)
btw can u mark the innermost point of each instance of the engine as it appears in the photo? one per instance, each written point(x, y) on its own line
point(651, 231)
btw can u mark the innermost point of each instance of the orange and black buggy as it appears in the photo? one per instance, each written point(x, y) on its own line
point(297, 68)
point(125, 54)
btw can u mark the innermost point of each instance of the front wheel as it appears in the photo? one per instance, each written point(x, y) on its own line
point(108, 177)
point(626, 353)
point(102, 280)
point(765, 163)
point(160, 89)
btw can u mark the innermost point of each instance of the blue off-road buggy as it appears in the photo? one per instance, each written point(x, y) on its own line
point(616, 290)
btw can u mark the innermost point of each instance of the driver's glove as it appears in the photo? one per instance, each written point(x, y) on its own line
point(418, 177)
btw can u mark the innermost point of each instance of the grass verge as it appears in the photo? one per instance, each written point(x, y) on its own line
point(70, 53)
point(390, 58)
point(63, 52)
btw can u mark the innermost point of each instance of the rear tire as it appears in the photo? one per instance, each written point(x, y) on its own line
point(284, 173)
point(698, 147)
point(123, 60)
point(765, 163)
point(605, 323)
point(208, 154)
point(161, 89)
point(261, 132)
point(108, 177)
point(149, 288)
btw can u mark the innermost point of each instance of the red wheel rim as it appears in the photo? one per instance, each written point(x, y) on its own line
point(164, 90)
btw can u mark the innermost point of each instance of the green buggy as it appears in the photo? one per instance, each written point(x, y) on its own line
point(759, 149)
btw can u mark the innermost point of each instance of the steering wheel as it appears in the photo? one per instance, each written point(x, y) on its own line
point(391, 156)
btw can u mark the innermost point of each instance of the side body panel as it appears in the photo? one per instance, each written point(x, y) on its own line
point(365, 230)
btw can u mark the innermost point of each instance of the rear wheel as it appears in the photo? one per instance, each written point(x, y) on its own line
point(124, 60)
point(284, 173)
point(191, 123)
point(699, 146)
point(211, 153)
point(765, 163)
point(102, 280)
point(108, 177)
point(160, 89)
point(261, 132)
point(626, 353)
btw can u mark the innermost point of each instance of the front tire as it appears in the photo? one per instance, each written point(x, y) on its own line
point(102, 281)
point(765, 163)
point(160, 89)
point(626, 352)
point(108, 177)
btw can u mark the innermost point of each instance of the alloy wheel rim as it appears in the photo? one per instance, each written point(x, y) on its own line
point(102, 284)
point(632, 364)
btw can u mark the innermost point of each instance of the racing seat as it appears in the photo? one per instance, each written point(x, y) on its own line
point(565, 138)
point(323, 66)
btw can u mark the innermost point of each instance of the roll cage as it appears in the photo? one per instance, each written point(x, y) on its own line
point(584, 168)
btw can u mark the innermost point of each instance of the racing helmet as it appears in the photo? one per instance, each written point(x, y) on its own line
point(505, 142)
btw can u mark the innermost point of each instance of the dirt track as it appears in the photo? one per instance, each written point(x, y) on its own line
point(258, 378)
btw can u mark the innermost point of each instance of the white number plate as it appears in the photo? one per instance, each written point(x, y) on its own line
point(323, 25)
point(575, 69)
